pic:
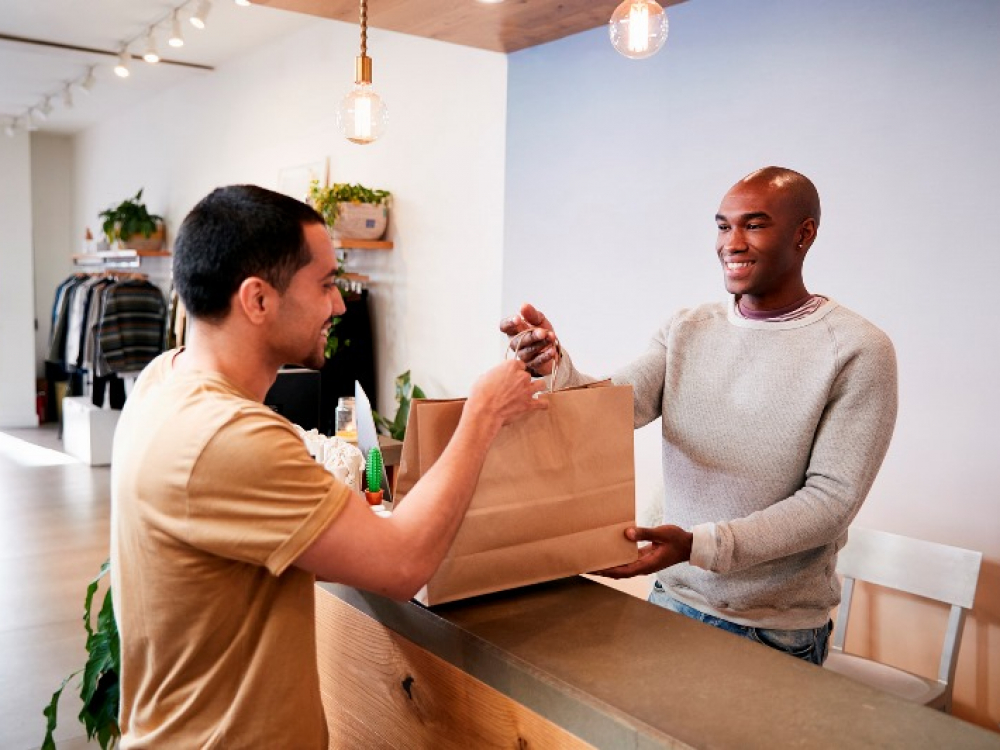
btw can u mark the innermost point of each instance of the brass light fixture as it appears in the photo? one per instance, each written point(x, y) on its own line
point(362, 115)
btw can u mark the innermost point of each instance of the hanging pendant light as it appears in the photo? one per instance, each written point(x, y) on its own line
point(362, 115)
point(638, 28)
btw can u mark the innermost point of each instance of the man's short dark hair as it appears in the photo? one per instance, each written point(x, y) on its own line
point(232, 234)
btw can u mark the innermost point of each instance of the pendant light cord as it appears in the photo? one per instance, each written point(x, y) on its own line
point(364, 28)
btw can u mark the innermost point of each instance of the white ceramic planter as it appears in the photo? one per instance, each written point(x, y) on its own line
point(361, 221)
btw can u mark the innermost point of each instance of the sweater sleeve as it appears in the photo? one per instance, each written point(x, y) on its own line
point(644, 374)
point(849, 445)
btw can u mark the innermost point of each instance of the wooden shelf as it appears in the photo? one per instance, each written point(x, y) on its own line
point(347, 243)
point(117, 256)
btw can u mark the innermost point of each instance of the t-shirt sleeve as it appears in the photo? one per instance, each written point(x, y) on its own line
point(257, 496)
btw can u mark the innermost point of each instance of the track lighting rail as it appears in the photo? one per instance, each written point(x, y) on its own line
point(93, 50)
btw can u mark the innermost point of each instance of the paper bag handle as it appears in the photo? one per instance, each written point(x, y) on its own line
point(517, 348)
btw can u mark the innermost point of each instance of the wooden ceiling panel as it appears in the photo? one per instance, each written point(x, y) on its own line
point(503, 27)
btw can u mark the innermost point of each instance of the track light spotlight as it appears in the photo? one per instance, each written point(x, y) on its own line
point(151, 55)
point(201, 13)
point(121, 69)
point(175, 40)
point(87, 84)
point(9, 128)
point(67, 97)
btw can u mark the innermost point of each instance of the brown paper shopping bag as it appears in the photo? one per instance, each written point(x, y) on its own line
point(555, 495)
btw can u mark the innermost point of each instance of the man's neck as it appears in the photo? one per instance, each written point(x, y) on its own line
point(770, 312)
point(766, 303)
point(218, 349)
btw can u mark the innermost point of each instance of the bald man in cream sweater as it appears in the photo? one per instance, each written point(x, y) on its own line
point(777, 409)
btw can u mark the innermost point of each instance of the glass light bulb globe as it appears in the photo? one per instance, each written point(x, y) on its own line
point(362, 115)
point(638, 28)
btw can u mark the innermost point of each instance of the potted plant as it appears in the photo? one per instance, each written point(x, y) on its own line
point(406, 391)
point(99, 685)
point(131, 225)
point(352, 210)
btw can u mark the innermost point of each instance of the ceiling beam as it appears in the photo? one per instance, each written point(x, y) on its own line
point(503, 27)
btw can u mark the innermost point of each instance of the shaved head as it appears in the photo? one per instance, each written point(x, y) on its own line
point(796, 188)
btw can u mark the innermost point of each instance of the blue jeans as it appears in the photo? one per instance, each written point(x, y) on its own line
point(811, 644)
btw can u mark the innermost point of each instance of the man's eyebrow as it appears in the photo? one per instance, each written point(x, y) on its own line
point(746, 217)
point(329, 274)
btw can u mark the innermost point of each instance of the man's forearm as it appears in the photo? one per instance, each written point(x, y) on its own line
point(434, 509)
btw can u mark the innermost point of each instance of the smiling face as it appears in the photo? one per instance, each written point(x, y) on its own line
point(763, 239)
point(309, 303)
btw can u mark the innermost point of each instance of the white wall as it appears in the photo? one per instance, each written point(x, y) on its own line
point(53, 228)
point(442, 157)
point(616, 167)
point(17, 342)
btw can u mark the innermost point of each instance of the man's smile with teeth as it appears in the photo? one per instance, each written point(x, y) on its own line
point(738, 264)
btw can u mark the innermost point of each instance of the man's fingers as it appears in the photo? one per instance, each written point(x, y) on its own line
point(545, 357)
point(540, 389)
point(537, 337)
point(531, 314)
point(639, 567)
point(641, 534)
point(528, 353)
point(513, 325)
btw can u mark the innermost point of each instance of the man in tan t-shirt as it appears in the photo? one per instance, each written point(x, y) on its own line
point(221, 521)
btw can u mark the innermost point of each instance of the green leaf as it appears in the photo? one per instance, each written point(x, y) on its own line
point(333, 340)
point(51, 713)
point(91, 590)
point(101, 645)
point(405, 392)
point(102, 720)
point(399, 424)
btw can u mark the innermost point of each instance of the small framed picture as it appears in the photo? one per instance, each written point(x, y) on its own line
point(295, 181)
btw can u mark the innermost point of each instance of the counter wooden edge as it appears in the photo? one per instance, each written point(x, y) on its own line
point(523, 706)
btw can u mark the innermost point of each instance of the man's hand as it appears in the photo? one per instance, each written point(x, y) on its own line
point(539, 348)
point(505, 393)
point(668, 546)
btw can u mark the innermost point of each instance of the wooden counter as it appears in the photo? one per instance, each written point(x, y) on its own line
point(574, 664)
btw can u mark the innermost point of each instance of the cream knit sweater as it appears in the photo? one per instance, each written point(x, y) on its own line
point(773, 433)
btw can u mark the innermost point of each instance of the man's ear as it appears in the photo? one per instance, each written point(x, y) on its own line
point(256, 299)
point(806, 235)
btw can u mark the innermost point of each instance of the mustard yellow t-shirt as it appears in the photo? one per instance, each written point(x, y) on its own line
point(213, 497)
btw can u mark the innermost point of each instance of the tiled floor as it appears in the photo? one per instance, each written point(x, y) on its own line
point(54, 516)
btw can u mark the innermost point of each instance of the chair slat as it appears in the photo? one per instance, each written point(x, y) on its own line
point(936, 571)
